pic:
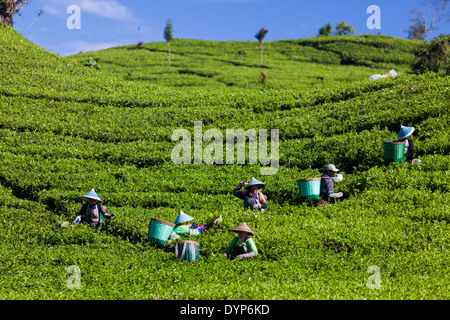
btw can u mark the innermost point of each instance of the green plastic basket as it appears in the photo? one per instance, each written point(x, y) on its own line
point(309, 189)
point(187, 250)
point(160, 231)
point(394, 151)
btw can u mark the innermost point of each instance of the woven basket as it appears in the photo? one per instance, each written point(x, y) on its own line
point(159, 231)
point(187, 250)
point(394, 151)
point(309, 189)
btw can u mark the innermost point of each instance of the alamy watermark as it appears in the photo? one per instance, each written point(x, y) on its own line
point(374, 281)
point(74, 281)
point(374, 21)
point(213, 152)
point(74, 20)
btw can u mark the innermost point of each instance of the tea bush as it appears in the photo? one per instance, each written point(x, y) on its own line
point(433, 56)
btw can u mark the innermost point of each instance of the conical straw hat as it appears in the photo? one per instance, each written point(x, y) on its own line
point(405, 132)
point(183, 217)
point(253, 182)
point(243, 227)
point(91, 195)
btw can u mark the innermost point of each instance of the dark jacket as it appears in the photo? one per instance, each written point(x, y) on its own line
point(326, 186)
point(409, 155)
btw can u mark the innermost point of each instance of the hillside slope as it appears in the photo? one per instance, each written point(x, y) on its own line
point(289, 64)
point(65, 129)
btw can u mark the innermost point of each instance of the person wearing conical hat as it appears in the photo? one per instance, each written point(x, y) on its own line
point(243, 245)
point(93, 211)
point(405, 135)
point(253, 197)
point(327, 185)
point(183, 228)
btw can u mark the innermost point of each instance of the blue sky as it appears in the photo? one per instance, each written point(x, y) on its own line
point(107, 23)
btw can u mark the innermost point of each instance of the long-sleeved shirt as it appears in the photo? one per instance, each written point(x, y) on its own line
point(248, 246)
point(326, 186)
point(185, 230)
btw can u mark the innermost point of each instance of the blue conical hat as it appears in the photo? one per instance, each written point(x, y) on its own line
point(91, 195)
point(183, 217)
point(255, 182)
point(405, 132)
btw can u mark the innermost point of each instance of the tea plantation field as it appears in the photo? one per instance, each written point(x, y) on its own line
point(288, 64)
point(66, 128)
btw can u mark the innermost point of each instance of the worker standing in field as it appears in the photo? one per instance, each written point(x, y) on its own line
point(327, 185)
point(243, 245)
point(253, 197)
point(93, 211)
point(405, 135)
point(183, 228)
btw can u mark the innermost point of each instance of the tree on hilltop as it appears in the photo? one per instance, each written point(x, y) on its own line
point(8, 8)
point(342, 29)
point(168, 36)
point(423, 24)
point(417, 30)
point(260, 36)
point(325, 30)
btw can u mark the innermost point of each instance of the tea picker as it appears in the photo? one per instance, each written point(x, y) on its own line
point(241, 246)
point(327, 185)
point(93, 212)
point(253, 197)
point(182, 228)
point(404, 135)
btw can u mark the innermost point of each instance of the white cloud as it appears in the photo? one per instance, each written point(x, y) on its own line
point(77, 46)
point(54, 11)
point(107, 9)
